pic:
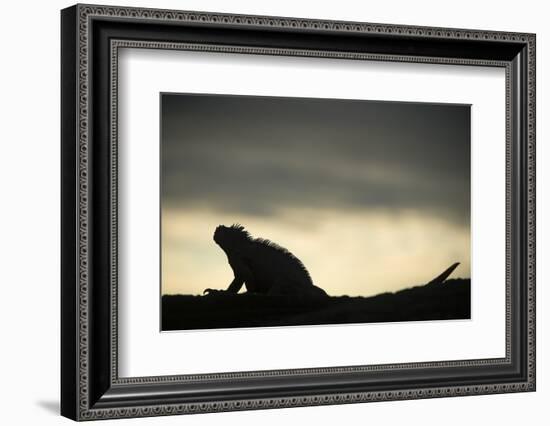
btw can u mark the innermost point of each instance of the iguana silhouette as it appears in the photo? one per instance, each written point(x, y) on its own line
point(262, 266)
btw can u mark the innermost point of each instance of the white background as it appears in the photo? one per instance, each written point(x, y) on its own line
point(29, 229)
point(146, 352)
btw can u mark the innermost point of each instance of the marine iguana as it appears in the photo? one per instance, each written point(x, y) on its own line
point(263, 266)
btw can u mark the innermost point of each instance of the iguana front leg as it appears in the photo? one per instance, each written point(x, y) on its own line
point(233, 288)
point(241, 272)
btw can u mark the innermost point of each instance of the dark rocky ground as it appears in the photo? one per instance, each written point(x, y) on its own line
point(435, 301)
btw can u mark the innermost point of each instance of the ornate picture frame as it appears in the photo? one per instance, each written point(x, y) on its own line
point(91, 37)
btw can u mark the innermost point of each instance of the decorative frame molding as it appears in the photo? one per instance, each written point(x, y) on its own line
point(91, 37)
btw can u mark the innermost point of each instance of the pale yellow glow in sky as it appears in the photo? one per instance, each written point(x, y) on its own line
point(346, 252)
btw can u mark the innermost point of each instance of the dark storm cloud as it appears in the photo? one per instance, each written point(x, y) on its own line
point(258, 155)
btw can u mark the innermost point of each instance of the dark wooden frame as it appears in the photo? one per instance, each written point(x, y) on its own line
point(90, 386)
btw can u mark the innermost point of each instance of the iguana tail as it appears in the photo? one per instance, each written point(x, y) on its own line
point(442, 277)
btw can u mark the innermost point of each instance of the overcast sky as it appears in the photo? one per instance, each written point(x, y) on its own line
point(270, 160)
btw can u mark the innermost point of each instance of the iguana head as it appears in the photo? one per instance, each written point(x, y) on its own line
point(231, 236)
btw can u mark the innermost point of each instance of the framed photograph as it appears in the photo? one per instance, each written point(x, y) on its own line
point(324, 176)
point(263, 212)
